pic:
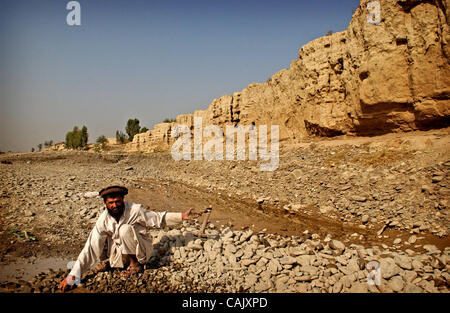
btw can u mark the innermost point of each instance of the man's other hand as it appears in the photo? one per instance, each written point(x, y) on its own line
point(188, 214)
point(67, 283)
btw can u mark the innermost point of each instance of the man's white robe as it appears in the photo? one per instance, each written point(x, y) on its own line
point(105, 234)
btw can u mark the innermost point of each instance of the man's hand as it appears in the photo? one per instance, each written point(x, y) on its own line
point(188, 215)
point(67, 284)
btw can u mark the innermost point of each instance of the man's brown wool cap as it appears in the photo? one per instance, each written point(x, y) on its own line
point(113, 189)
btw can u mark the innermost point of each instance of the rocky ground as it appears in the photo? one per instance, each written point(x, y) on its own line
point(244, 261)
point(313, 225)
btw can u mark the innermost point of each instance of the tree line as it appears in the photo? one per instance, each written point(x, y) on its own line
point(78, 138)
point(132, 129)
point(47, 143)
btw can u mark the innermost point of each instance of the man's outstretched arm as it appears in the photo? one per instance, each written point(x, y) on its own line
point(161, 219)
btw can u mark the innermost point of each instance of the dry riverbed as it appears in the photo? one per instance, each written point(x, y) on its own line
point(313, 225)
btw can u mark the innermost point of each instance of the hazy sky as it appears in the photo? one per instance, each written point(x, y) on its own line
point(141, 59)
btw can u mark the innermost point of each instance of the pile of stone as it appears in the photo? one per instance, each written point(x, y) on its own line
point(229, 260)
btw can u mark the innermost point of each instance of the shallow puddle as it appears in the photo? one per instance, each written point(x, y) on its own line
point(27, 269)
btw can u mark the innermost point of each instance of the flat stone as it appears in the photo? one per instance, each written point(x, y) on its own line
point(403, 261)
point(295, 251)
point(417, 265)
point(303, 278)
point(194, 246)
point(365, 218)
point(262, 262)
point(412, 239)
point(337, 287)
point(272, 267)
point(341, 260)
point(282, 279)
point(227, 233)
point(353, 266)
point(359, 288)
point(431, 249)
point(251, 280)
point(217, 245)
point(230, 248)
point(394, 223)
point(263, 286)
point(248, 254)
point(344, 270)
point(388, 268)
point(245, 236)
point(239, 253)
point(410, 288)
point(396, 283)
point(311, 270)
point(288, 260)
point(91, 194)
point(304, 260)
point(337, 245)
point(358, 198)
point(410, 276)
point(247, 262)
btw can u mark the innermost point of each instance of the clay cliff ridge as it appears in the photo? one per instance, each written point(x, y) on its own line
point(367, 80)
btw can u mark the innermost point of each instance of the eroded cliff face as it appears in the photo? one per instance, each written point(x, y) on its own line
point(367, 80)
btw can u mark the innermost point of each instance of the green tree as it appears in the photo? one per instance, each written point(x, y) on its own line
point(169, 120)
point(132, 128)
point(75, 141)
point(48, 143)
point(144, 129)
point(121, 137)
point(77, 138)
point(329, 33)
point(39, 147)
point(102, 140)
point(69, 140)
point(84, 136)
point(32, 149)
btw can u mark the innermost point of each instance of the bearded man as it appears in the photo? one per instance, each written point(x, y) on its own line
point(120, 236)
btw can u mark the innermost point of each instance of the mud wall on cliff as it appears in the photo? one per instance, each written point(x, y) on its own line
point(370, 79)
